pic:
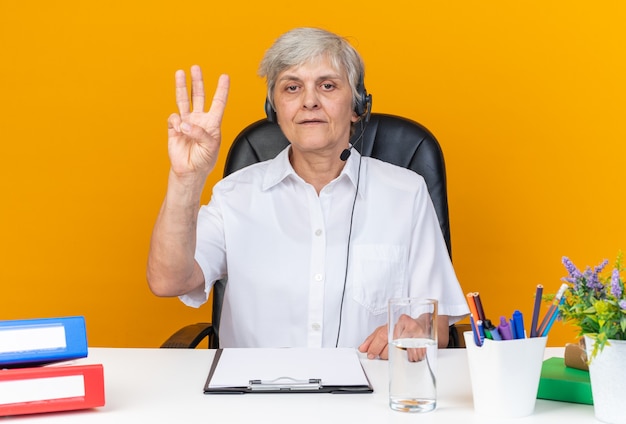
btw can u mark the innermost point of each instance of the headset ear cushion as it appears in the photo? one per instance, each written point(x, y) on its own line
point(270, 113)
point(358, 107)
point(362, 103)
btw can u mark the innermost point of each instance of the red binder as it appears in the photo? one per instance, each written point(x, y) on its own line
point(51, 388)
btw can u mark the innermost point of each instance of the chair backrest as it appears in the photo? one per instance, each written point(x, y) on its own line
point(390, 138)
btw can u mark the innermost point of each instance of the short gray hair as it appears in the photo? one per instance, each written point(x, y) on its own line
point(302, 45)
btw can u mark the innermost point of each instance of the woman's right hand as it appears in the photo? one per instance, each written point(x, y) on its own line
point(194, 136)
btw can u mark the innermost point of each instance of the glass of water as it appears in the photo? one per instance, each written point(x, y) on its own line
point(412, 354)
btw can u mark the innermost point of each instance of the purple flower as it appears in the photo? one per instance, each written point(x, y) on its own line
point(574, 274)
point(616, 287)
point(593, 277)
point(571, 268)
point(622, 304)
point(600, 267)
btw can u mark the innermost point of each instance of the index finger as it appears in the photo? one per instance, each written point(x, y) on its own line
point(182, 98)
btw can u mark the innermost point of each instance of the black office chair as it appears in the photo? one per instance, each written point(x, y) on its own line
point(390, 138)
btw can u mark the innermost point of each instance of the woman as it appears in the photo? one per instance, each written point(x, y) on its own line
point(313, 242)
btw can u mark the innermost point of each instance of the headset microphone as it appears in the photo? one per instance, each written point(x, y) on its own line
point(345, 154)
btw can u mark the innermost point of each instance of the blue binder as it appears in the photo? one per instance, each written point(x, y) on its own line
point(32, 342)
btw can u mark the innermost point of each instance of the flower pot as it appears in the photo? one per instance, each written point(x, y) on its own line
point(608, 381)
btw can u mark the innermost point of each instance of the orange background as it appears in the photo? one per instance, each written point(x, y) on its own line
point(526, 98)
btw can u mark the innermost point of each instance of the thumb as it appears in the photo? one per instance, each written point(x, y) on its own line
point(366, 344)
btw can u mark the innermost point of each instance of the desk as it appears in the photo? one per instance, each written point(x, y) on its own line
point(165, 386)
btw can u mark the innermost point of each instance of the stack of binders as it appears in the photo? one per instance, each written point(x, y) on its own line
point(34, 377)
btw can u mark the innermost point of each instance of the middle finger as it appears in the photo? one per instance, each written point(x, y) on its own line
point(197, 89)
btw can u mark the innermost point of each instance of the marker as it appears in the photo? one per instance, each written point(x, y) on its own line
point(495, 334)
point(487, 329)
point(505, 329)
point(518, 322)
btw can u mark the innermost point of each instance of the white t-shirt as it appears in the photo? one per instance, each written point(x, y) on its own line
point(284, 250)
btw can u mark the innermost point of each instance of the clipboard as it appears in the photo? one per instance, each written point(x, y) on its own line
point(286, 370)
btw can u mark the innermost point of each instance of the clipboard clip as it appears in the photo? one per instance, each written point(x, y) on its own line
point(285, 384)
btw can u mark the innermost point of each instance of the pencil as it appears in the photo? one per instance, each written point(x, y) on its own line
point(552, 309)
point(552, 318)
point(537, 306)
point(472, 306)
point(479, 307)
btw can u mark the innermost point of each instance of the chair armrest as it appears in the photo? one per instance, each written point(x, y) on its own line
point(190, 336)
point(456, 339)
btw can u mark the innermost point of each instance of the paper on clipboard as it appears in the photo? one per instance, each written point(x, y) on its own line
point(338, 368)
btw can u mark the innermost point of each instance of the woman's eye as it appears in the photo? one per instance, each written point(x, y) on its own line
point(292, 88)
point(328, 86)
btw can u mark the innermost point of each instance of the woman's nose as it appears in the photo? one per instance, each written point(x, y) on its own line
point(310, 99)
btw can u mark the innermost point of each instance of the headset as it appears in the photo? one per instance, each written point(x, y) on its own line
point(362, 106)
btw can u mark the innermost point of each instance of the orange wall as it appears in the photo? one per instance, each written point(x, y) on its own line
point(526, 98)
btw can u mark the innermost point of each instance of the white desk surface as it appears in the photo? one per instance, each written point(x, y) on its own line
point(165, 386)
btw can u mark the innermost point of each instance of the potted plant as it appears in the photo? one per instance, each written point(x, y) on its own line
point(595, 302)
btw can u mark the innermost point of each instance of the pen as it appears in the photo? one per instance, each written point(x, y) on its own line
point(537, 306)
point(518, 322)
point(555, 303)
point(505, 329)
point(481, 331)
point(477, 340)
point(512, 327)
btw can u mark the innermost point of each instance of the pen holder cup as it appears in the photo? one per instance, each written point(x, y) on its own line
point(505, 375)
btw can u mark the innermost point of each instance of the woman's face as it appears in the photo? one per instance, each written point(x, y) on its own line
point(313, 103)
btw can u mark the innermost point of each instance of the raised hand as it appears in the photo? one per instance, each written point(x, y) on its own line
point(194, 136)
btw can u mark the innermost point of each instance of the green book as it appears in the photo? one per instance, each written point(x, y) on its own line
point(562, 383)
